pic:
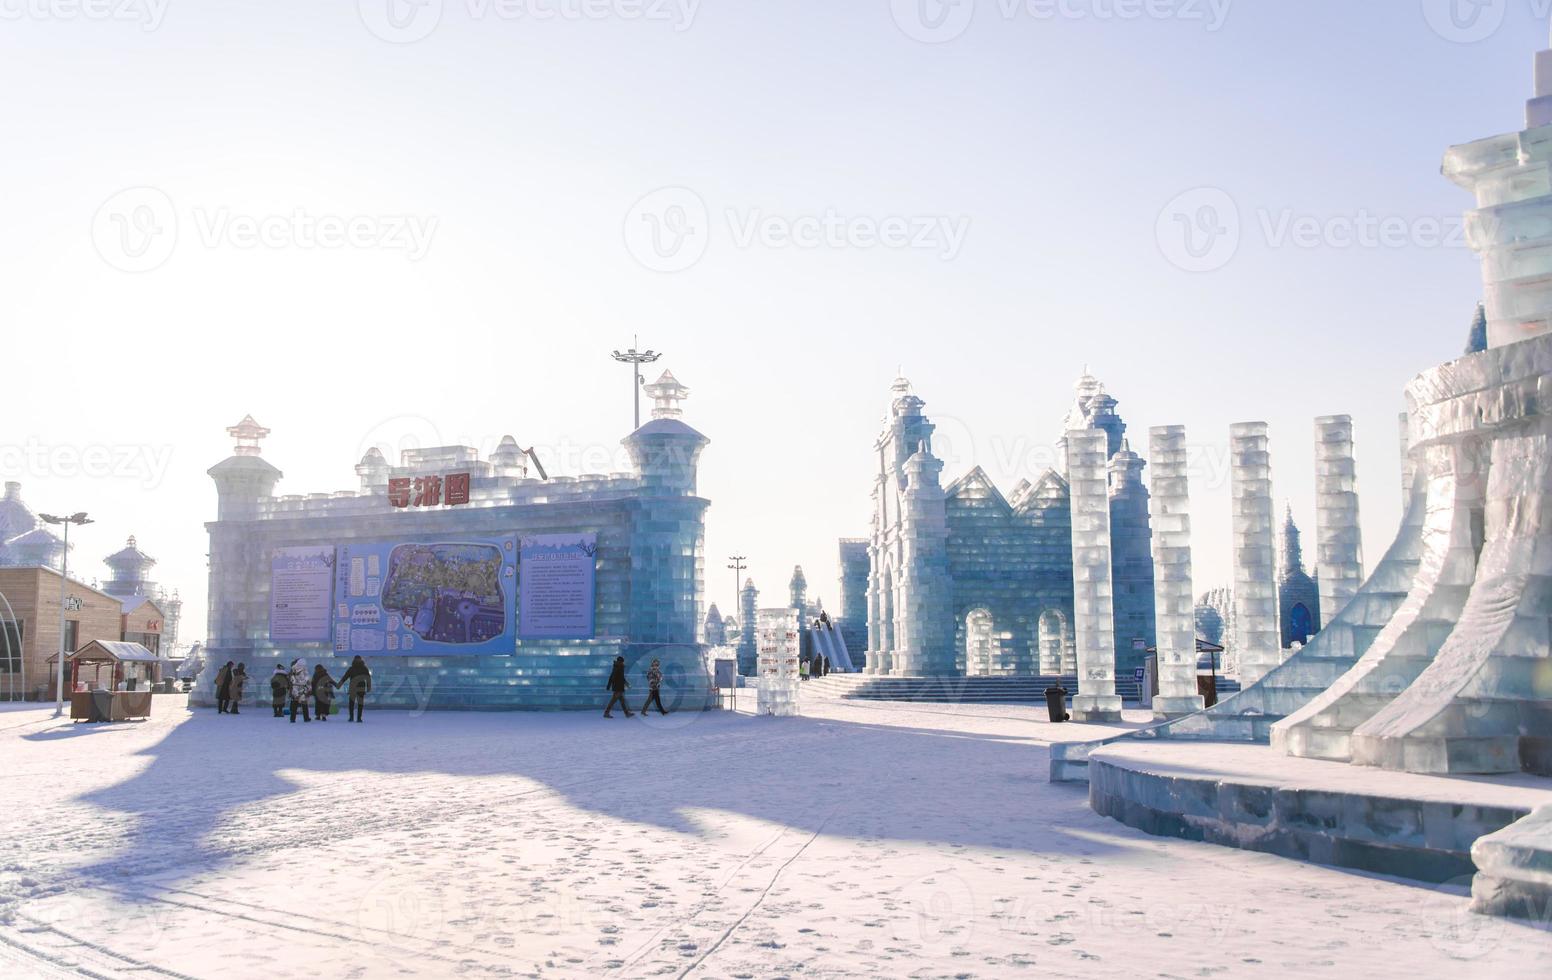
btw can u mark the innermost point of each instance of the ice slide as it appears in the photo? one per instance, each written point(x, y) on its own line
point(830, 643)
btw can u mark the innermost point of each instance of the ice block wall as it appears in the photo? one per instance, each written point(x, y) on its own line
point(1174, 601)
point(1256, 640)
point(1094, 626)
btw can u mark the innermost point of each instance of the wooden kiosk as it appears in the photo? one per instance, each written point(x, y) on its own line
point(131, 665)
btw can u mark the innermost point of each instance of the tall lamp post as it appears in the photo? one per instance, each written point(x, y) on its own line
point(738, 567)
point(636, 359)
point(64, 581)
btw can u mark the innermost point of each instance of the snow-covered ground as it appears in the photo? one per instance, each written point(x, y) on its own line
point(859, 840)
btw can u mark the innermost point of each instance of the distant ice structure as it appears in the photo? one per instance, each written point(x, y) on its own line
point(1173, 598)
point(748, 638)
point(716, 629)
point(964, 580)
point(1094, 624)
point(1256, 639)
point(853, 623)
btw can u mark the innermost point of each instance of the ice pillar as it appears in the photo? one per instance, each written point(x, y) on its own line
point(1338, 543)
point(1092, 602)
point(1174, 601)
point(1256, 639)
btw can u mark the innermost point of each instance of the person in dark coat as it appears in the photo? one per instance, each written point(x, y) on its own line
point(223, 687)
point(826, 671)
point(234, 688)
point(323, 693)
point(357, 683)
point(654, 696)
point(279, 684)
point(616, 686)
point(824, 620)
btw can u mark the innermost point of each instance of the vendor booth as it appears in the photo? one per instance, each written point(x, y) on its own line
point(122, 677)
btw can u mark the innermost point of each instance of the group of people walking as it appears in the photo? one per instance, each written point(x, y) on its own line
point(618, 685)
point(296, 687)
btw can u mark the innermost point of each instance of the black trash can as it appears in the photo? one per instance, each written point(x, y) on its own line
point(102, 705)
point(1056, 703)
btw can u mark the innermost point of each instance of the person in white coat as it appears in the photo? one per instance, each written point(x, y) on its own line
point(301, 689)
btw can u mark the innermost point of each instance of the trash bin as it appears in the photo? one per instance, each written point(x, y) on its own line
point(1056, 703)
point(102, 705)
point(1207, 687)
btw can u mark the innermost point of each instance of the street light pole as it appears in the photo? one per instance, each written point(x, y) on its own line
point(635, 359)
point(64, 583)
point(738, 567)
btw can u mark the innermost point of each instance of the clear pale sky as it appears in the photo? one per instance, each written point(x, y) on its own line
point(531, 145)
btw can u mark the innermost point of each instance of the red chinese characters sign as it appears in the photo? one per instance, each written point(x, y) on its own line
point(429, 491)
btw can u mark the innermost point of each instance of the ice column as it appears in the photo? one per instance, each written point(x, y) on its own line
point(1256, 639)
point(1174, 601)
point(778, 691)
point(1338, 543)
point(1092, 605)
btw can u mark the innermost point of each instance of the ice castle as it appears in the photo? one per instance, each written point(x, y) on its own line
point(466, 582)
point(965, 581)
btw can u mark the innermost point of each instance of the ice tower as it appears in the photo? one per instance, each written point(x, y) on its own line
point(1512, 226)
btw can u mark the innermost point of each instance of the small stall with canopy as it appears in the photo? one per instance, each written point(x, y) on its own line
point(124, 693)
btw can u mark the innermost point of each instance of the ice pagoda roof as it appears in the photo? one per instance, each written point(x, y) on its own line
point(130, 555)
point(15, 516)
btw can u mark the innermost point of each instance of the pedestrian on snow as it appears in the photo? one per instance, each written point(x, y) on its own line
point(323, 692)
point(235, 688)
point(357, 682)
point(301, 689)
point(804, 668)
point(654, 681)
point(279, 684)
point(826, 671)
point(616, 687)
point(223, 687)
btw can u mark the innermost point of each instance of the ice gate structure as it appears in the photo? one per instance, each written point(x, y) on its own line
point(413, 592)
point(964, 581)
point(1439, 664)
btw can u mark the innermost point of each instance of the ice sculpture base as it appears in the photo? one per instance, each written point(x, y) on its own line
point(1168, 709)
point(1096, 708)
